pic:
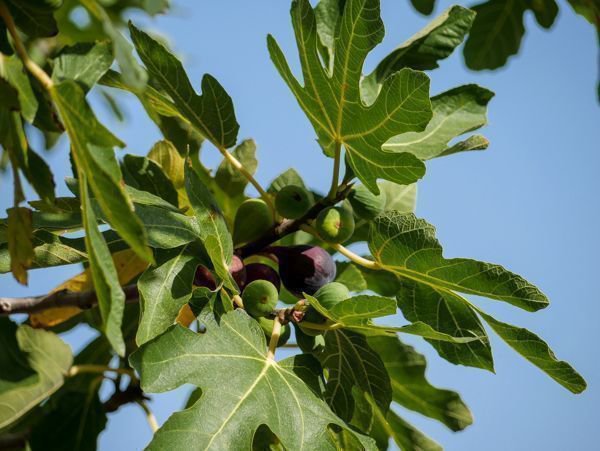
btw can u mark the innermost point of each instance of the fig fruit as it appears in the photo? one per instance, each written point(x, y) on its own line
point(366, 205)
point(252, 219)
point(292, 201)
point(335, 224)
point(204, 278)
point(267, 326)
point(331, 294)
point(328, 296)
point(260, 271)
point(260, 298)
point(304, 268)
point(238, 271)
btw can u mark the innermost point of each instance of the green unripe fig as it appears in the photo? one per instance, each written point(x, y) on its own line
point(332, 294)
point(335, 224)
point(328, 296)
point(252, 219)
point(366, 205)
point(267, 327)
point(260, 298)
point(292, 201)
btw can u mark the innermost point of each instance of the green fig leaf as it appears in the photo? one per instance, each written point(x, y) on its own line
point(92, 145)
point(412, 390)
point(406, 246)
point(423, 50)
point(33, 365)
point(212, 227)
point(536, 351)
point(164, 290)
point(84, 63)
point(455, 113)
point(13, 72)
point(211, 113)
point(235, 346)
point(353, 370)
point(332, 101)
point(446, 312)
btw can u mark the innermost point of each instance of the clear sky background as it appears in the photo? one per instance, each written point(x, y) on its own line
point(529, 202)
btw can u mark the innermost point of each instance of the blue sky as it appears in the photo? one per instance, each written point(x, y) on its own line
point(529, 202)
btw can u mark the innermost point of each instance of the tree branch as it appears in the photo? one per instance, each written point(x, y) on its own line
point(64, 298)
point(87, 299)
point(31, 66)
point(292, 225)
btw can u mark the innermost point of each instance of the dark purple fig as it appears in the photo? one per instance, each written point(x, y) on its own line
point(260, 271)
point(304, 268)
point(204, 278)
point(238, 271)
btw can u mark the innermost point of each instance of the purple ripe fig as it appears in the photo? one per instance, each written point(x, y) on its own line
point(260, 271)
point(304, 268)
point(238, 271)
point(204, 278)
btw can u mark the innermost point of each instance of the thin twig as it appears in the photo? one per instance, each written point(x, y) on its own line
point(369, 264)
point(292, 225)
point(242, 170)
point(336, 171)
point(63, 298)
point(274, 338)
point(31, 66)
point(89, 368)
point(119, 398)
point(149, 415)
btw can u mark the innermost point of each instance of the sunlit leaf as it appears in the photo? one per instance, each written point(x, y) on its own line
point(423, 50)
point(211, 113)
point(356, 314)
point(407, 246)
point(74, 416)
point(84, 63)
point(228, 419)
point(455, 113)
point(92, 145)
point(332, 101)
point(33, 365)
point(212, 228)
point(164, 290)
point(13, 72)
point(534, 349)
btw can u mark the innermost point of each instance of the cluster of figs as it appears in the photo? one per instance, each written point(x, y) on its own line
point(291, 271)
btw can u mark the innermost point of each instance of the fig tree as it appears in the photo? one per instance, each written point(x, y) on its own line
point(260, 298)
point(252, 219)
point(366, 205)
point(267, 327)
point(260, 271)
point(335, 224)
point(204, 278)
point(292, 201)
point(304, 269)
